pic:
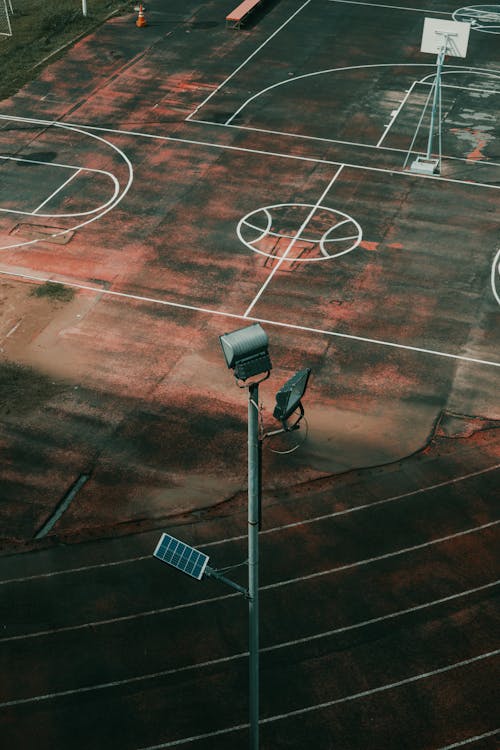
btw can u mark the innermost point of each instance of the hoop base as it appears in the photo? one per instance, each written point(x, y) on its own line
point(422, 165)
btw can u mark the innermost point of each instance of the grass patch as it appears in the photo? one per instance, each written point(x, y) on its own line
point(40, 28)
point(57, 292)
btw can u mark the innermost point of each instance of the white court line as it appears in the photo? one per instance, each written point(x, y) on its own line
point(107, 206)
point(280, 154)
point(61, 187)
point(495, 272)
point(395, 114)
point(392, 7)
point(427, 82)
point(292, 243)
point(290, 81)
point(329, 704)
point(267, 587)
point(246, 61)
point(293, 524)
point(236, 316)
point(244, 654)
point(450, 70)
point(470, 740)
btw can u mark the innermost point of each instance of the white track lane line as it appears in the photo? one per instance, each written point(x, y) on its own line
point(470, 740)
point(274, 529)
point(329, 704)
point(292, 242)
point(267, 587)
point(244, 654)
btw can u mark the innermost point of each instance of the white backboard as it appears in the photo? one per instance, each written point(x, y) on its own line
point(435, 37)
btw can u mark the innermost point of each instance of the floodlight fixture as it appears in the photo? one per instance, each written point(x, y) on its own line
point(246, 351)
point(289, 398)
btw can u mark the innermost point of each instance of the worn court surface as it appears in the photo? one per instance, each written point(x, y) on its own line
point(184, 180)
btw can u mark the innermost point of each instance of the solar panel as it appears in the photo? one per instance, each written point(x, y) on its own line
point(181, 556)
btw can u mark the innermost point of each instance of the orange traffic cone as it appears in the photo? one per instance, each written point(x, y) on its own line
point(141, 21)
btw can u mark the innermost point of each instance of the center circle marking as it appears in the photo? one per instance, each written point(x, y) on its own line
point(299, 232)
point(485, 18)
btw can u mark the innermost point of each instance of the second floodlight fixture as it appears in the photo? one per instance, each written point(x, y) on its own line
point(246, 351)
point(289, 398)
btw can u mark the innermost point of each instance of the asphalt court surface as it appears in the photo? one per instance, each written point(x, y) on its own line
point(212, 178)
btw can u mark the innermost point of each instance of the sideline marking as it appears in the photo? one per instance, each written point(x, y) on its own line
point(290, 525)
point(329, 704)
point(236, 316)
point(267, 587)
point(242, 654)
point(292, 242)
point(246, 61)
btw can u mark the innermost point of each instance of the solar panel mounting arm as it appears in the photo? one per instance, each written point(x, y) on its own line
point(212, 573)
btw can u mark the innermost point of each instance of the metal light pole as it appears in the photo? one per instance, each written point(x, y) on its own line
point(253, 560)
point(84, 7)
point(246, 352)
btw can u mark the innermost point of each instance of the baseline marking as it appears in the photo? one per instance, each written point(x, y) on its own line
point(392, 7)
point(236, 316)
point(82, 127)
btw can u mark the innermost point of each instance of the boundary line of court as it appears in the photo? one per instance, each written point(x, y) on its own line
point(292, 524)
point(266, 587)
point(239, 316)
point(244, 654)
point(278, 154)
point(330, 703)
point(242, 65)
point(393, 7)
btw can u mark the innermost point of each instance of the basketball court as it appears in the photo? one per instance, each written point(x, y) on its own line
point(185, 180)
